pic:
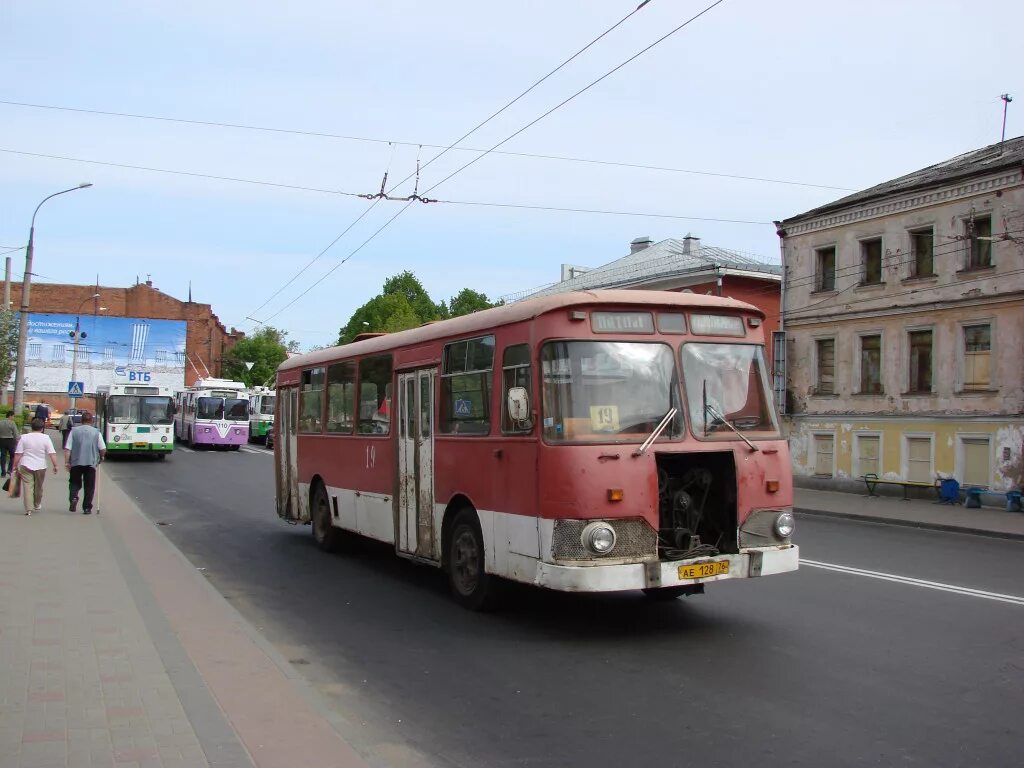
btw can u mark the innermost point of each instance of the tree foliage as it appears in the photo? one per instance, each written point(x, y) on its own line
point(404, 303)
point(8, 346)
point(265, 349)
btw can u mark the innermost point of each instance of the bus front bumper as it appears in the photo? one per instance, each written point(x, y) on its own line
point(665, 573)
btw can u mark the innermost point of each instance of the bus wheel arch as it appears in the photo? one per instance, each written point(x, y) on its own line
point(327, 537)
point(463, 557)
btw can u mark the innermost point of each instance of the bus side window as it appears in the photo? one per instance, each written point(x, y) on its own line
point(515, 371)
point(375, 395)
point(311, 401)
point(341, 396)
point(467, 373)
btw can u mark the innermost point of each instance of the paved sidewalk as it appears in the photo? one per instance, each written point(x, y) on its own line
point(115, 651)
point(917, 513)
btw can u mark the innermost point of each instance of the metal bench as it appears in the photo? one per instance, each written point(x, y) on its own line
point(872, 481)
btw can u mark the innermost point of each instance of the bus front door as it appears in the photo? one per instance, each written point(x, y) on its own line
point(416, 462)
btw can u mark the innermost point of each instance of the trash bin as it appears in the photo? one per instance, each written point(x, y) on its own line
point(973, 498)
point(1013, 499)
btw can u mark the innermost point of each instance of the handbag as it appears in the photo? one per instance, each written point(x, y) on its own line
point(13, 489)
point(7, 484)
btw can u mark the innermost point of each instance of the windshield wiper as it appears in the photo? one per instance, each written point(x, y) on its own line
point(720, 419)
point(666, 420)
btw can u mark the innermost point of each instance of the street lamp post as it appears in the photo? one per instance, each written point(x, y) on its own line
point(19, 371)
point(77, 335)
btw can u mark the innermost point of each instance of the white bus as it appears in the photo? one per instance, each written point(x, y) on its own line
point(136, 419)
point(261, 413)
point(213, 412)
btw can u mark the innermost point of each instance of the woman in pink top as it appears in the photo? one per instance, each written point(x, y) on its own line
point(30, 464)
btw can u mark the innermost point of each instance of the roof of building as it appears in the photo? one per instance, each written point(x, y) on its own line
point(487, 319)
point(674, 257)
point(995, 157)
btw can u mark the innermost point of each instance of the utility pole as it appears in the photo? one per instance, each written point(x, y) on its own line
point(1007, 98)
point(6, 308)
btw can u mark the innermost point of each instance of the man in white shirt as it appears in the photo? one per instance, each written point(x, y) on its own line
point(30, 464)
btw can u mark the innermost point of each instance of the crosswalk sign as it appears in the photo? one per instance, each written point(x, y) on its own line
point(76, 388)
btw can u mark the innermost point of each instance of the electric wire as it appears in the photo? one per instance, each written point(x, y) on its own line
point(378, 196)
point(582, 90)
point(509, 153)
point(493, 115)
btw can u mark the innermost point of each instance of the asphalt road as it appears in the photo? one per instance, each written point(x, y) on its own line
point(817, 668)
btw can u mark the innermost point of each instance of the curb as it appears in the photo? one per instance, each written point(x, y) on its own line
point(946, 528)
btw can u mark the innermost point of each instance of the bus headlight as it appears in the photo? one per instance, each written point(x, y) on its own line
point(785, 524)
point(117, 438)
point(598, 537)
point(163, 439)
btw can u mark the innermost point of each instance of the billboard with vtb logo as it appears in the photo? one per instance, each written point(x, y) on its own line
point(110, 350)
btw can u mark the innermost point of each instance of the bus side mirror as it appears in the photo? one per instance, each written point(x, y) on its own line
point(518, 404)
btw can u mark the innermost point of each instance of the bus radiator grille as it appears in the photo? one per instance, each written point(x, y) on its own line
point(634, 540)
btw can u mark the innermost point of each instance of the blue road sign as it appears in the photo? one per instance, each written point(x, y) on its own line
point(76, 388)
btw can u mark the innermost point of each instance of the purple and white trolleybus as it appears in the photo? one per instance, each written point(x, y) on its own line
point(213, 412)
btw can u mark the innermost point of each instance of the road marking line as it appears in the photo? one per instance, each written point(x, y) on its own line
point(915, 582)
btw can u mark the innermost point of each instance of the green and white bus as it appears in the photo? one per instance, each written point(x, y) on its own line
point(261, 413)
point(136, 419)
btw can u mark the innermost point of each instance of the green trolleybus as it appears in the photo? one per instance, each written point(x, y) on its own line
point(136, 419)
point(261, 413)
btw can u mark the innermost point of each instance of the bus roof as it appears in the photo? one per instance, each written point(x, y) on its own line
point(514, 313)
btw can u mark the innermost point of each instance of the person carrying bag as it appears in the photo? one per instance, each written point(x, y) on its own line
point(30, 464)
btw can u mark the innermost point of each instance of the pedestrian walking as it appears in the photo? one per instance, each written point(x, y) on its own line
point(30, 463)
point(42, 412)
point(82, 454)
point(9, 434)
point(64, 427)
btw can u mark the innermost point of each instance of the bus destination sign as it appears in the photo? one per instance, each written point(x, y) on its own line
point(717, 325)
point(622, 322)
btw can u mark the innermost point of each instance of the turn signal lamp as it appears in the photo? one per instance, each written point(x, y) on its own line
point(614, 494)
point(772, 486)
point(577, 314)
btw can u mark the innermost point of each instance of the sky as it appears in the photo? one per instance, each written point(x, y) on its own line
point(837, 95)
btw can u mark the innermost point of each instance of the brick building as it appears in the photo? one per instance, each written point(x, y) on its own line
point(206, 338)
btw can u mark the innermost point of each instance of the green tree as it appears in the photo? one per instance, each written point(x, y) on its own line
point(265, 349)
point(408, 285)
point(467, 301)
point(8, 347)
point(385, 313)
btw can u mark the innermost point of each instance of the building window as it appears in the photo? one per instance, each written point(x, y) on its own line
point(516, 373)
point(871, 364)
point(823, 451)
point(979, 241)
point(919, 459)
point(311, 401)
point(977, 356)
point(825, 269)
point(375, 395)
point(58, 353)
point(871, 260)
point(341, 398)
point(467, 372)
point(826, 349)
point(868, 462)
point(35, 351)
point(976, 466)
point(920, 361)
point(108, 355)
point(922, 252)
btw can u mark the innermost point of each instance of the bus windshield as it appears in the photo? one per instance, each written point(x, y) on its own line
point(267, 406)
point(727, 383)
point(210, 408)
point(236, 410)
point(137, 409)
point(608, 391)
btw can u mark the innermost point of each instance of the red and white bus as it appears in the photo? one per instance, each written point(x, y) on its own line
point(588, 442)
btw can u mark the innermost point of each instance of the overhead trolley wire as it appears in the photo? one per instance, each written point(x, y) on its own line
point(404, 208)
point(582, 90)
point(508, 104)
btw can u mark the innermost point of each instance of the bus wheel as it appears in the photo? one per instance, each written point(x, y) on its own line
point(471, 586)
point(664, 594)
point(327, 537)
point(161, 456)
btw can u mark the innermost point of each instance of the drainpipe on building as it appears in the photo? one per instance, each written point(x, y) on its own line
point(782, 318)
